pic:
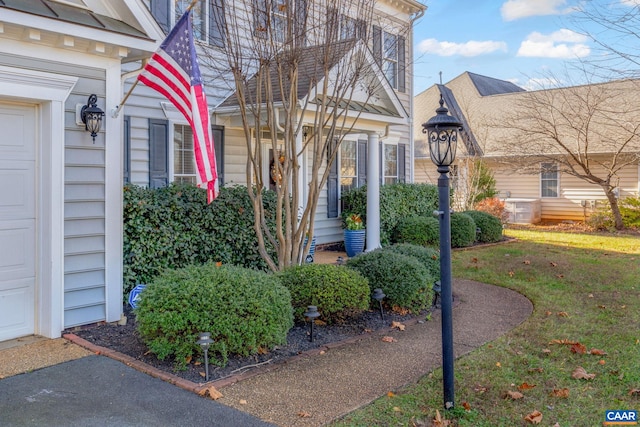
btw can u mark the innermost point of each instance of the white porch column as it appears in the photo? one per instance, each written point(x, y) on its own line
point(373, 192)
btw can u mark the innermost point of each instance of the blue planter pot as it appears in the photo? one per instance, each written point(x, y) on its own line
point(354, 242)
point(312, 249)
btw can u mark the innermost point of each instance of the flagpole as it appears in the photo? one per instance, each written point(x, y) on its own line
point(116, 111)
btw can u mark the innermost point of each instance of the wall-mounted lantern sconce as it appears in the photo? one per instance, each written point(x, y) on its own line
point(91, 116)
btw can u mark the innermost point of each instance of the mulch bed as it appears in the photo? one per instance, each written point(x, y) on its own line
point(125, 339)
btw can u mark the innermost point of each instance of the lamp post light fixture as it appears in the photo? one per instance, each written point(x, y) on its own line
point(378, 295)
point(204, 340)
point(91, 116)
point(312, 314)
point(442, 134)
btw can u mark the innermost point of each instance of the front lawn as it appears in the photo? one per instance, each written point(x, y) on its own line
point(586, 294)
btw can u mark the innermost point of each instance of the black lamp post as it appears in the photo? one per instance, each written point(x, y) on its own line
point(204, 340)
point(312, 314)
point(442, 133)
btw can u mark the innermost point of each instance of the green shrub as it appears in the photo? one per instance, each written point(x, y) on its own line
point(490, 226)
point(338, 292)
point(463, 230)
point(173, 226)
point(429, 257)
point(630, 211)
point(245, 310)
point(418, 230)
point(406, 283)
point(396, 201)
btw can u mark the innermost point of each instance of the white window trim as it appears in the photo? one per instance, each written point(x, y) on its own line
point(557, 181)
point(384, 160)
point(385, 58)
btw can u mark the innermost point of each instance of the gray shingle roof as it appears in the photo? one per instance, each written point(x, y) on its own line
point(489, 86)
point(75, 15)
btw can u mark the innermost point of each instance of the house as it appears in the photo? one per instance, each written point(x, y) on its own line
point(511, 131)
point(61, 191)
point(378, 148)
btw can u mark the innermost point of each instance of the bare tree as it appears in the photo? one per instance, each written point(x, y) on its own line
point(591, 132)
point(302, 76)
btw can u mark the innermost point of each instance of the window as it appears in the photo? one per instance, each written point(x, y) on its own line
point(184, 169)
point(208, 18)
point(390, 58)
point(549, 180)
point(348, 165)
point(389, 52)
point(390, 164)
point(280, 18)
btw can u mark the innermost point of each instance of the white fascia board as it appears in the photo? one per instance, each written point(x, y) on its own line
point(69, 29)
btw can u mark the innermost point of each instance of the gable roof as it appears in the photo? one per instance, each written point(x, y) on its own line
point(469, 139)
point(72, 14)
point(487, 86)
point(314, 61)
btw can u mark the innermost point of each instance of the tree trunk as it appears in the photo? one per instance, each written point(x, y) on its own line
point(615, 208)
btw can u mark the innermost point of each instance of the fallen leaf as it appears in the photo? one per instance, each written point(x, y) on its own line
point(548, 313)
point(398, 325)
point(534, 418)
point(388, 339)
point(202, 374)
point(210, 391)
point(546, 351)
point(526, 262)
point(499, 365)
point(634, 392)
point(511, 273)
point(390, 394)
point(466, 406)
point(578, 348)
point(526, 386)
point(602, 306)
point(262, 350)
point(197, 363)
point(581, 374)
point(560, 392)
point(320, 322)
point(396, 409)
point(559, 276)
point(187, 359)
point(539, 370)
point(368, 330)
point(556, 425)
point(480, 389)
point(590, 296)
point(601, 362)
point(514, 395)
point(563, 314)
point(563, 342)
point(304, 414)
point(242, 402)
point(553, 264)
point(439, 422)
point(597, 352)
point(474, 260)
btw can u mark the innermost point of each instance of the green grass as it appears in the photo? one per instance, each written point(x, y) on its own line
point(585, 288)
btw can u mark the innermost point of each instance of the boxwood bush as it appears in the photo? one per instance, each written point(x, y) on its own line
point(406, 283)
point(463, 230)
point(396, 201)
point(245, 310)
point(429, 257)
point(338, 292)
point(490, 226)
point(417, 230)
point(173, 226)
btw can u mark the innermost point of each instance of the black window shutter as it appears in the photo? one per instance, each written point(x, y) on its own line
point(361, 29)
point(401, 65)
point(158, 153)
point(332, 183)
point(126, 173)
point(216, 23)
point(402, 163)
point(362, 162)
point(377, 44)
point(160, 9)
point(218, 146)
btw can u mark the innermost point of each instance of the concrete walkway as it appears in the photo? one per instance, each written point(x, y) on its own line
point(325, 385)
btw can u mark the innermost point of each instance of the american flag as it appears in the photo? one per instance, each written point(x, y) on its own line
point(174, 72)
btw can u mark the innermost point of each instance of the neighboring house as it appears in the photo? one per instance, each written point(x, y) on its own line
point(545, 191)
point(61, 192)
point(158, 143)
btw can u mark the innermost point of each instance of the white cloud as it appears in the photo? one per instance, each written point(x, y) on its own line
point(517, 9)
point(630, 3)
point(559, 44)
point(468, 49)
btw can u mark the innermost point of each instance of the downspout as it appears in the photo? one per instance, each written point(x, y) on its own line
point(412, 144)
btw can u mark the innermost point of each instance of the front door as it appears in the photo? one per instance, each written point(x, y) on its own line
point(18, 254)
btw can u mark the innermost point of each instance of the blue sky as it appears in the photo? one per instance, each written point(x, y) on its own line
point(516, 40)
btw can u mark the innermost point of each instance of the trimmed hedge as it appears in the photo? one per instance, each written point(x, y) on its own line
point(245, 311)
point(418, 230)
point(429, 257)
point(173, 226)
point(338, 292)
point(397, 201)
point(490, 226)
point(406, 283)
point(463, 230)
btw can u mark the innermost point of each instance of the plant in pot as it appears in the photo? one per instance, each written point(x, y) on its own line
point(354, 234)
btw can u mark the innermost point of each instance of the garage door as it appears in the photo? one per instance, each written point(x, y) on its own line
point(17, 220)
